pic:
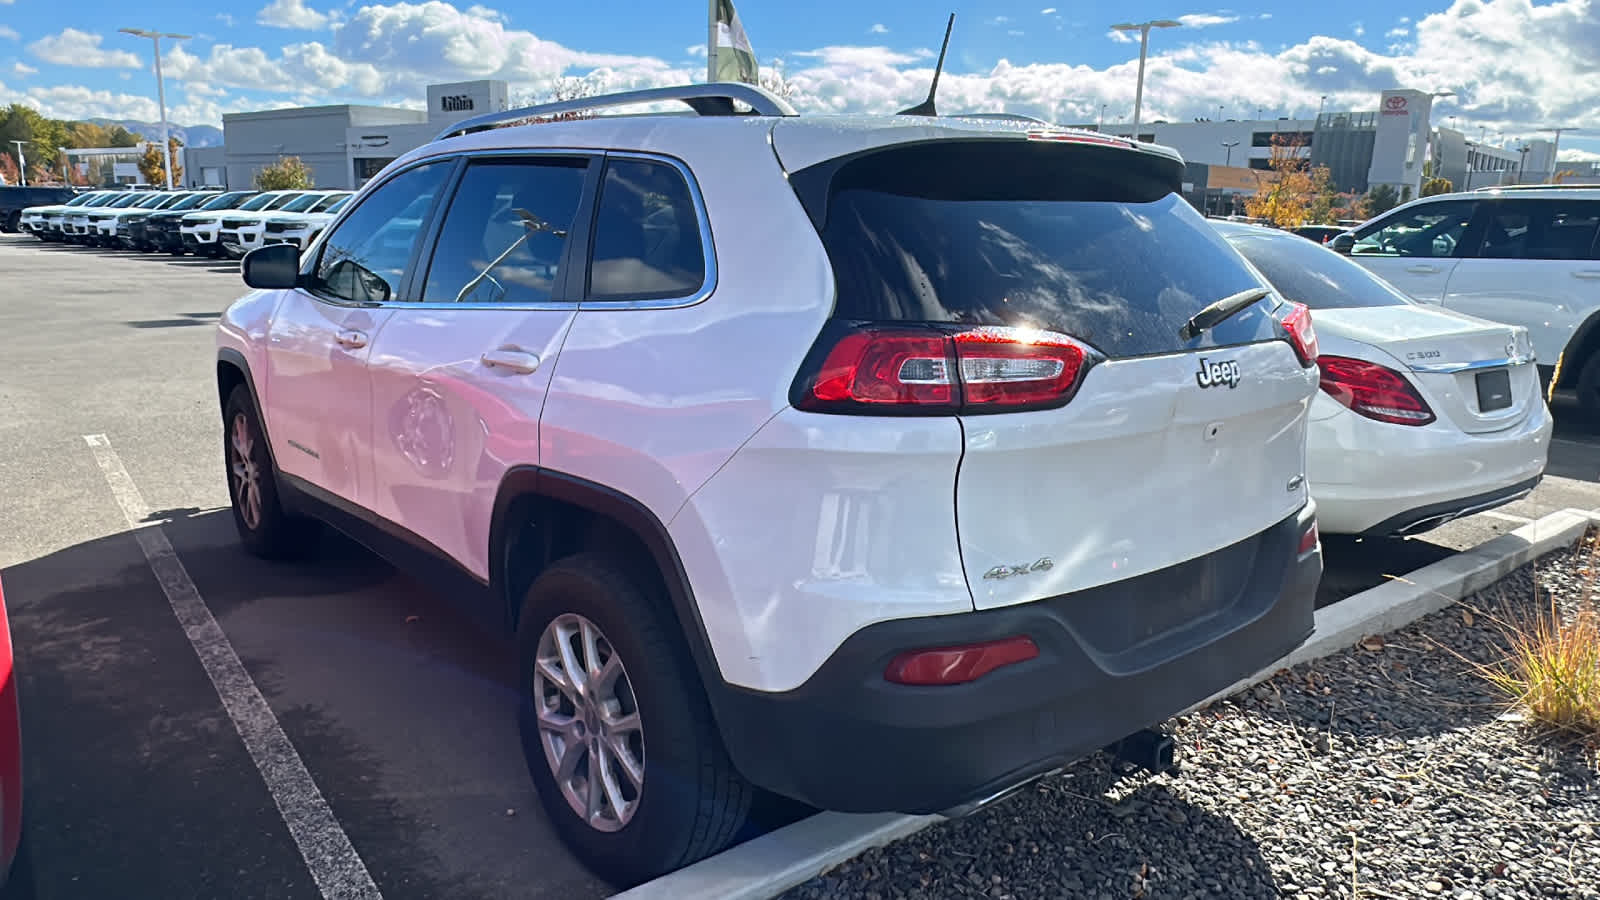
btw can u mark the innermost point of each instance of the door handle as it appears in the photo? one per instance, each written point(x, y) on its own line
point(1586, 273)
point(1423, 269)
point(511, 359)
point(352, 339)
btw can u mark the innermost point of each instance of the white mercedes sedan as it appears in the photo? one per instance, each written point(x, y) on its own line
point(1425, 415)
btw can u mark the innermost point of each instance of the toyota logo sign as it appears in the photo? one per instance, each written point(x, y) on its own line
point(1395, 105)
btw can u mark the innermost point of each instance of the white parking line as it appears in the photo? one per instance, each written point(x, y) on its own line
point(332, 860)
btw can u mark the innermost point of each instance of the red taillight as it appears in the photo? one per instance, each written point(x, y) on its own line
point(1373, 391)
point(888, 367)
point(900, 370)
point(959, 665)
point(1302, 335)
point(1308, 541)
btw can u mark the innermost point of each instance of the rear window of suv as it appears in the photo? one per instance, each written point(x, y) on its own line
point(1087, 241)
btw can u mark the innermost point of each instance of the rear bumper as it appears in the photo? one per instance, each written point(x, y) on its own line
point(849, 740)
point(1373, 478)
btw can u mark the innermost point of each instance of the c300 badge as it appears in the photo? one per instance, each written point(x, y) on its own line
point(1212, 374)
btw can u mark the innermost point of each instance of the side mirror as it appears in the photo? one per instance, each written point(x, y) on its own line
point(1343, 243)
point(272, 267)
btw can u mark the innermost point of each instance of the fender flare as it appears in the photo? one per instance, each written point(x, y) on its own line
point(526, 481)
point(232, 357)
point(1584, 344)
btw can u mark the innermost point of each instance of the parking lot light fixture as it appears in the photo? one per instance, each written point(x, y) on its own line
point(161, 93)
point(1230, 145)
point(1144, 46)
point(22, 164)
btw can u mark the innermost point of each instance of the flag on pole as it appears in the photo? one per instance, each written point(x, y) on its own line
point(732, 57)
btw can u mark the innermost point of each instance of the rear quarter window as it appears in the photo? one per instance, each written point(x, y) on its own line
point(1088, 241)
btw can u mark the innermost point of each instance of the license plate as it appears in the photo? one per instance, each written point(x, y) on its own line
point(1494, 390)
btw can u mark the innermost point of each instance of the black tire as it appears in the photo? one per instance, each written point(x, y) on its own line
point(264, 528)
point(692, 803)
point(1588, 387)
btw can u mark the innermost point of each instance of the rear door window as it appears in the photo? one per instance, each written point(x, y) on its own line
point(505, 236)
point(1070, 240)
point(1540, 229)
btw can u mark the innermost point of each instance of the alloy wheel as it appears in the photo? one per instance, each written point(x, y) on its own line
point(245, 470)
point(589, 722)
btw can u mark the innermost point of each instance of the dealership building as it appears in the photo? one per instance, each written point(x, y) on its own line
point(344, 145)
point(1387, 145)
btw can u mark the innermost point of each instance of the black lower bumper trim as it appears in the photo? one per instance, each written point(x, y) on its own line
point(1426, 518)
point(849, 740)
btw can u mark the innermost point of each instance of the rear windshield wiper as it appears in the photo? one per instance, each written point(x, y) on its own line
point(1214, 314)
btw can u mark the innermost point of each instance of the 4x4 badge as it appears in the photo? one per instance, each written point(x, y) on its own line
point(1212, 374)
point(1045, 564)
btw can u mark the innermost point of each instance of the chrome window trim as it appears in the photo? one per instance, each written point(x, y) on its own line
point(708, 283)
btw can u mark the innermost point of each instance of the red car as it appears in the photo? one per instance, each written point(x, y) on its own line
point(10, 750)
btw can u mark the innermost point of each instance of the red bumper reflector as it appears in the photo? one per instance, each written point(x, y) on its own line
point(958, 665)
point(1308, 541)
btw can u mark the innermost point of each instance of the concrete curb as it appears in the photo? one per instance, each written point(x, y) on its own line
point(773, 863)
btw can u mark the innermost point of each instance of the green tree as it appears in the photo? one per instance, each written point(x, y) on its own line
point(1382, 198)
point(287, 173)
point(153, 164)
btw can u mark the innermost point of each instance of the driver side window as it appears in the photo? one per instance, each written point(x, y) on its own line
point(364, 259)
point(1430, 230)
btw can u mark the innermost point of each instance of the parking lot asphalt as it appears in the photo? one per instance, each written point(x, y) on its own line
point(138, 782)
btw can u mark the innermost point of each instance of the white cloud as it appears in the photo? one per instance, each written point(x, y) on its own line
point(1204, 20)
point(1048, 11)
point(1514, 67)
point(75, 101)
point(291, 14)
point(1014, 32)
point(879, 28)
point(1358, 29)
point(697, 50)
point(80, 48)
point(22, 69)
point(226, 19)
point(9, 33)
point(999, 20)
point(1121, 37)
point(1399, 32)
point(1579, 156)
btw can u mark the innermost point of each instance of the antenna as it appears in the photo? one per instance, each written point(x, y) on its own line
point(925, 108)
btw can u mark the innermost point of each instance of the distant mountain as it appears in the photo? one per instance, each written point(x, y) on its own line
point(190, 135)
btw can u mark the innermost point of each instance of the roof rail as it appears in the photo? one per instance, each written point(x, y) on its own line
point(1587, 185)
point(713, 99)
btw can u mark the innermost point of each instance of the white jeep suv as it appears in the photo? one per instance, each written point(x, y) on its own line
point(1522, 256)
point(882, 463)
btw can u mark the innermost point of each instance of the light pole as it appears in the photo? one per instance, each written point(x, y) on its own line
point(1228, 161)
point(1555, 150)
point(1321, 102)
point(22, 164)
point(161, 92)
point(1102, 124)
point(1144, 46)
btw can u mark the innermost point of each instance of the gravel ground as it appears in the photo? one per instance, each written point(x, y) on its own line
point(1386, 771)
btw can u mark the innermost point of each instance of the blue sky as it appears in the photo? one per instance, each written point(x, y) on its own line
point(1516, 66)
